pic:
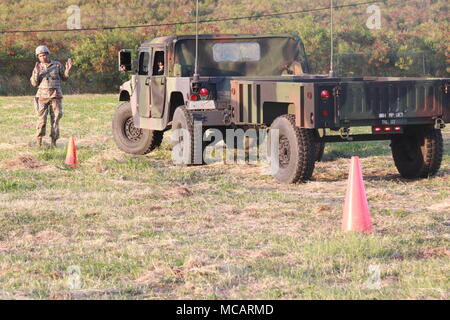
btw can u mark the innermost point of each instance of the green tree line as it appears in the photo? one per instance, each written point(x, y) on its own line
point(413, 38)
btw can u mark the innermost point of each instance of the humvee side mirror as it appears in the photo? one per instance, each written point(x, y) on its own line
point(125, 60)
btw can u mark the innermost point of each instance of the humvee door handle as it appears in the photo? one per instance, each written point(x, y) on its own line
point(147, 81)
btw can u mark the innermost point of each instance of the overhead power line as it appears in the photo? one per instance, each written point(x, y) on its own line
point(258, 16)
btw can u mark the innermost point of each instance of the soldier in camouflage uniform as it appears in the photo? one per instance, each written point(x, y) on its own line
point(47, 76)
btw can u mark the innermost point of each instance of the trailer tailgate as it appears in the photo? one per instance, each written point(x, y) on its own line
point(392, 102)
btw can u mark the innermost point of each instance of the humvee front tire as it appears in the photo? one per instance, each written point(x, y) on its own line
point(130, 139)
point(296, 150)
point(418, 152)
point(187, 139)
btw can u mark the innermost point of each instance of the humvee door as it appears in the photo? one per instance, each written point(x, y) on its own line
point(143, 81)
point(158, 83)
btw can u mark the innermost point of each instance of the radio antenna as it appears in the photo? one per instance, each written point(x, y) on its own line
point(331, 73)
point(196, 75)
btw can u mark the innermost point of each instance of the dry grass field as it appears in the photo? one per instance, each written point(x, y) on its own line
point(138, 227)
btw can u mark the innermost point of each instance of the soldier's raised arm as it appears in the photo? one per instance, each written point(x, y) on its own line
point(35, 79)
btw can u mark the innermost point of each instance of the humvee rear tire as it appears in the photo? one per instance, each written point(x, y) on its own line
point(320, 149)
point(418, 152)
point(187, 139)
point(130, 139)
point(296, 150)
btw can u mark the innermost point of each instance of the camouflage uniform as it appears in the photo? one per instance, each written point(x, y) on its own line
point(49, 95)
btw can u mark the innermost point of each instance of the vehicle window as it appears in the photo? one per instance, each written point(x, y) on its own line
point(158, 63)
point(235, 52)
point(144, 58)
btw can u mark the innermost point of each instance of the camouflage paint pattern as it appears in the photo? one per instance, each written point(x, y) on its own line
point(259, 91)
point(395, 102)
point(289, 57)
point(260, 102)
point(352, 103)
point(277, 52)
point(278, 55)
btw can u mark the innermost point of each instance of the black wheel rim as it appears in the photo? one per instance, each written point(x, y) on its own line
point(131, 132)
point(284, 152)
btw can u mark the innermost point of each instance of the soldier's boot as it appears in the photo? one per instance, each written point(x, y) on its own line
point(53, 145)
point(39, 141)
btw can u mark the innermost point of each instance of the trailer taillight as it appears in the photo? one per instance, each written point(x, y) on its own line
point(387, 129)
point(204, 92)
point(325, 94)
point(194, 97)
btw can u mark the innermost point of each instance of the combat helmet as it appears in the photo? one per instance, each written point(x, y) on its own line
point(42, 49)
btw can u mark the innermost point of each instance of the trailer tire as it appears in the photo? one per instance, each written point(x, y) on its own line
point(130, 139)
point(418, 153)
point(188, 140)
point(296, 150)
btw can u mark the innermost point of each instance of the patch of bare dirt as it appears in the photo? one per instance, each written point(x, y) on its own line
point(245, 169)
point(28, 124)
point(380, 195)
point(153, 277)
point(443, 206)
point(47, 236)
point(323, 208)
point(154, 208)
point(389, 281)
point(98, 232)
point(9, 106)
point(109, 155)
point(92, 140)
point(6, 146)
point(179, 192)
point(4, 295)
point(331, 171)
point(193, 266)
point(3, 247)
point(3, 268)
point(440, 252)
point(25, 161)
point(229, 209)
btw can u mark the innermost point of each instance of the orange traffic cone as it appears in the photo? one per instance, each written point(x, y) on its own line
point(71, 157)
point(356, 209)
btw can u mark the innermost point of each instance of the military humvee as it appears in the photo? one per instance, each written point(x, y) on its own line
point(263, 81)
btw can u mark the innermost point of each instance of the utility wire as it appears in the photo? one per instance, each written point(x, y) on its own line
point(258, 16)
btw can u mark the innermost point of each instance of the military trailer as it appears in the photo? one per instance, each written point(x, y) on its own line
point(264, 81)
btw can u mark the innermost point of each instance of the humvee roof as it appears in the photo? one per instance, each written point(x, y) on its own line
point(167, 39)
